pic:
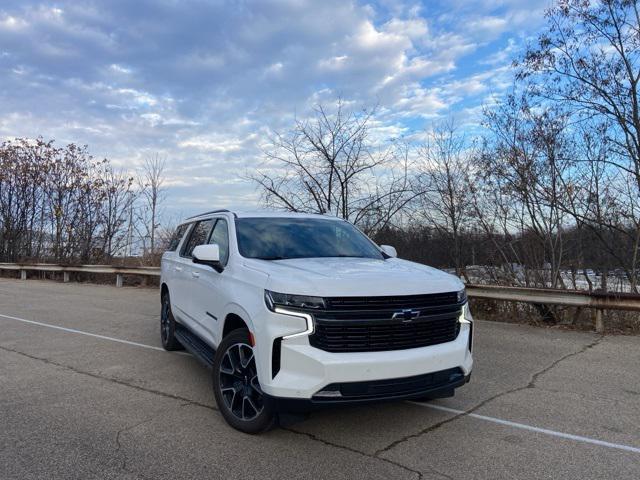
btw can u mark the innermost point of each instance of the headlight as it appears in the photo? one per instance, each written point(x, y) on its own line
point(274, 299)
point(462, 296)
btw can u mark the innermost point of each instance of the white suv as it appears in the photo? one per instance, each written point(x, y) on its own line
point(296, 311)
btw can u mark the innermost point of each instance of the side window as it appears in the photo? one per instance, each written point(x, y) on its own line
point(220, 235)
point(199, 235)
point(177, 236)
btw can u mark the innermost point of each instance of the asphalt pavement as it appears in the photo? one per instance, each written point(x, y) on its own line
point(86, 391)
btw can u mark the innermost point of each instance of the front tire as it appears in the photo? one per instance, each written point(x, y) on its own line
point(236, 387)
point(168, 326)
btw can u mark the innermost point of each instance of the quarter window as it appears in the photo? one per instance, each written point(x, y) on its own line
point(177, 236)
point(220, 235)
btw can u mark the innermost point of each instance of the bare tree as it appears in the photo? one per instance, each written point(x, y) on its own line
point(329, 164)
point(152, 193)
point(588, 61)
point(119, 198)
point(443, 185)
point(605, 206)
point(68, 182)
point(390, 194)
point(21, 196)
point(522, 169)
point(57, 203)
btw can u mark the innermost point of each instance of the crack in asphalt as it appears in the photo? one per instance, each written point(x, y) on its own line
point(188, 402)
point(108, 379)
point(118, 451)
point(531, 384)
point(376, 455)
point(535, 376)
point(352, 450)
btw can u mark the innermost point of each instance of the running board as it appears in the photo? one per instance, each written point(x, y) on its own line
point(199, 349)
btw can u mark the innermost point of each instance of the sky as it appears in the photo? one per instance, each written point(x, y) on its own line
point(203, 83)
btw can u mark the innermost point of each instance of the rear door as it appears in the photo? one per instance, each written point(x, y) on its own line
point(207, 292)
point(172, 265)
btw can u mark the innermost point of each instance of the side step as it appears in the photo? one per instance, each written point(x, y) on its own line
point(199, 349)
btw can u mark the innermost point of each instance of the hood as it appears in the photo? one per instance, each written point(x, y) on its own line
point(335, 277)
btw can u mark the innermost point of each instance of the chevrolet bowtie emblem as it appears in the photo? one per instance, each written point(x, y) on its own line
point(406, 315)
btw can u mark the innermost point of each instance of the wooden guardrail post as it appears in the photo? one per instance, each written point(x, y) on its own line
point(599, 322)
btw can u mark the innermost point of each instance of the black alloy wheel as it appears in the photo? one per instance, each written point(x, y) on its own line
point(239, 382)
point(168, 325)
point(236, 386)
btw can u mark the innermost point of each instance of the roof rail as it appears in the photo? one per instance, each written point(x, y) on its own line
point(220, 210)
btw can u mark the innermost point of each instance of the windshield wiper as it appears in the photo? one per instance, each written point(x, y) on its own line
point(274, 257)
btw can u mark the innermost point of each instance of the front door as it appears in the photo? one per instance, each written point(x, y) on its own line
point(207, 301)
point(189, 278)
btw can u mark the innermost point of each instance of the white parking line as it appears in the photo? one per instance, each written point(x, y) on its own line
point(522, 426)
point(80, 332)
point(531, 428)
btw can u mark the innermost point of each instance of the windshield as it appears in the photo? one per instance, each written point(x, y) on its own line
point(278, 238)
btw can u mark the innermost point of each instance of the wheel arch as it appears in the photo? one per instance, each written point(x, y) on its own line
point(232, 322)
point(236, 317)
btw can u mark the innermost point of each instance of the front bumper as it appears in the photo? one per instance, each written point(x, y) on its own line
point(305, 370)
point(435, 385)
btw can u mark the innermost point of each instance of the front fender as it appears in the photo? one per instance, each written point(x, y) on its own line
point(235, 309)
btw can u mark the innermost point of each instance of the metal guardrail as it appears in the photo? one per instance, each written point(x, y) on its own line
point(597, 300)
point(66, 269)
point(572, 298)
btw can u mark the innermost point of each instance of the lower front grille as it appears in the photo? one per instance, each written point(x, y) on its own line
point(389, 388)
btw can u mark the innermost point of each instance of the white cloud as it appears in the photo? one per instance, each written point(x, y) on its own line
point(334, 63)
point(487, 25)
point(414, 28)
point(202, 82)
point(9, 22)
point(215, 144)
point(119, 68)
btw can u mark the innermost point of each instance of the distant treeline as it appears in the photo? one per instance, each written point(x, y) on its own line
point(60, 204)
point(483, 255)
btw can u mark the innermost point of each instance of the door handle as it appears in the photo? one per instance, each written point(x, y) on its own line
point(178, 269)
point(195, 274)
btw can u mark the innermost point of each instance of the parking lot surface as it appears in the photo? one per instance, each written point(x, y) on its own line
point(86, 391)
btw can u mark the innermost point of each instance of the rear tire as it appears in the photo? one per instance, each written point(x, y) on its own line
point(236, 387)
point(168, 326)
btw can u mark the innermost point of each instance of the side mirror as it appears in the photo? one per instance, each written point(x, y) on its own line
point(208, 255)
point(389, 250)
